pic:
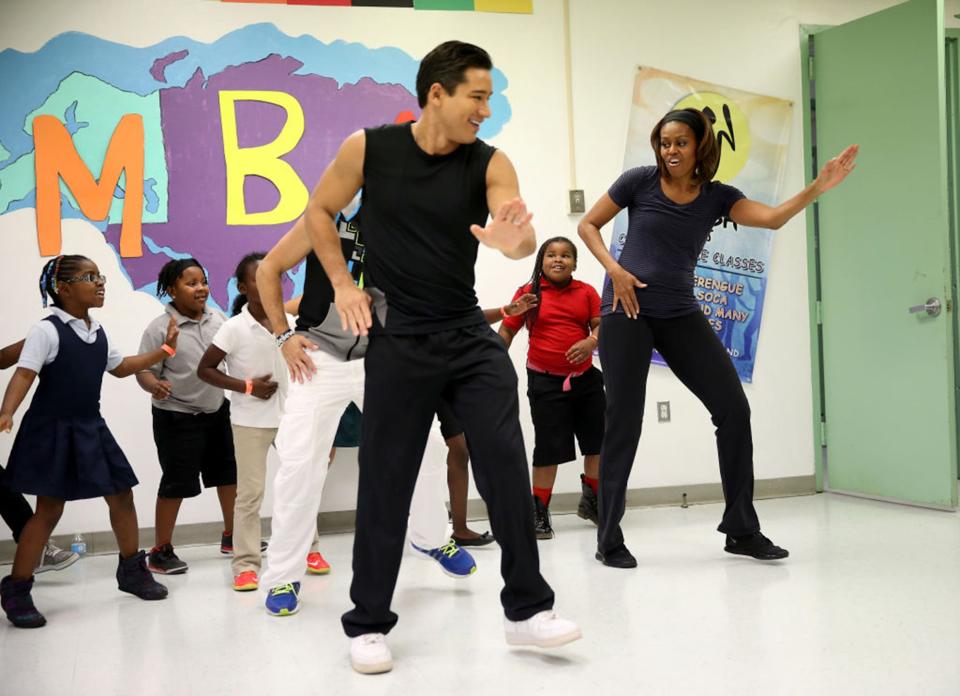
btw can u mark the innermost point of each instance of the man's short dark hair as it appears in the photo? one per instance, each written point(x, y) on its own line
point(447, 64)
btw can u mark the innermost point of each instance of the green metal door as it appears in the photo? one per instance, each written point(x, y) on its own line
point(952, 87)
point(885, 243)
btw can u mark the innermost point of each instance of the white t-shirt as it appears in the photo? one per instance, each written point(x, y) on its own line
point(42, 345)
point(252, 352)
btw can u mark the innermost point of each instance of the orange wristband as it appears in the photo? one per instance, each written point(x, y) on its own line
point(249, 389)
point(168, 350)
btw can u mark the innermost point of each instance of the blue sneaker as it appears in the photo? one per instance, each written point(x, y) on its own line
point(455, 562)
point(283, 600)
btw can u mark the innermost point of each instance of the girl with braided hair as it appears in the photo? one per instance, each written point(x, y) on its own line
point(63, 449)
point(564, 388)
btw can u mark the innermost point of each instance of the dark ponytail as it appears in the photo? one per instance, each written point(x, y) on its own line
point(240, 300)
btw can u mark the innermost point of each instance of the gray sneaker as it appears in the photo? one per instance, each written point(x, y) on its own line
point(55, 558)
point(163, 560)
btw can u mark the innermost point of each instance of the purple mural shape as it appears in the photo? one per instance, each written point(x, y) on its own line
point(159, 67)
point(193, 148)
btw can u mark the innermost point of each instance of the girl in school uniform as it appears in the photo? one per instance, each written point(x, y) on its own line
point(256, 373)
point(564, 388)
point(63, 449)
point(191, 419)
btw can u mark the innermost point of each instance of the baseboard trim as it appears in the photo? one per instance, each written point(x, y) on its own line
point(340, 521)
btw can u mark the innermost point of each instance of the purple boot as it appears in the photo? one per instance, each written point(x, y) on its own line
point(133, 577)
point(18, 604)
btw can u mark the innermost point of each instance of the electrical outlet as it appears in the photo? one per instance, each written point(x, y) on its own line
point(663, 411)
point(578, 204)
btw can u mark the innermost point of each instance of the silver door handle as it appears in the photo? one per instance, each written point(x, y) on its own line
point(931, 307)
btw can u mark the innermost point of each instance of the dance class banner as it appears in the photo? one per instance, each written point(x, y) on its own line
point(186, 148)
point(731, 275)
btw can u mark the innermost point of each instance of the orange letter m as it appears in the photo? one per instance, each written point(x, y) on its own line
point(56, 158)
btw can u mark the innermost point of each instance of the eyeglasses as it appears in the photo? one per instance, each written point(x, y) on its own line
point(87, 278)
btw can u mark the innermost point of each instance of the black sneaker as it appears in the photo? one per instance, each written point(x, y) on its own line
point(226, 544)
point(541, 519)
point(163, 560)
point(619, 557)
point(482, 540)
point(18, 604)
point(755, 545)
point(133, 577)
point(587, 509)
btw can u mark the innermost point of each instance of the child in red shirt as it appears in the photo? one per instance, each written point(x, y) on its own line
point(565, 389)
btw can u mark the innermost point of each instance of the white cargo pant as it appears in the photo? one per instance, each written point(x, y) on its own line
point(308, 426)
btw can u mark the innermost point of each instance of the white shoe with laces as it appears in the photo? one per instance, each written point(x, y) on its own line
point(544, 630)
point(55, 558)
point(369, 654)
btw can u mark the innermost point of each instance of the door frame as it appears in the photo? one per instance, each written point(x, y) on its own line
point(811, 168)
point(952, 76)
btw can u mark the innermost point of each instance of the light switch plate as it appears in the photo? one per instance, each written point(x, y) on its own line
point(578, 203)
point(663, 411)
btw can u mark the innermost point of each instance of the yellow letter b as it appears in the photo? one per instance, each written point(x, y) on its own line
point(263, 160)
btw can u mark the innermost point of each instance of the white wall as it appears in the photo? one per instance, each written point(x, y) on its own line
point(748, 44)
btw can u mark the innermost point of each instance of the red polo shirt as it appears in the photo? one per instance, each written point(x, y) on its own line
point(564, 319)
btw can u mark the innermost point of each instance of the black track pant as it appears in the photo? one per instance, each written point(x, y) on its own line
point(14, 509)
point(406, 379)
point(697, 357)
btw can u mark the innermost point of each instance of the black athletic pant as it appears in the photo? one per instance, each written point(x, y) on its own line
point(14, 508)
point(406, 378)
point(697, 357)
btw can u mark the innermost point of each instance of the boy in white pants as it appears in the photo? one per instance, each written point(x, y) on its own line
point(326, 370)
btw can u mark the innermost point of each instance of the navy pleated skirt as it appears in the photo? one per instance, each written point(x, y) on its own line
point(69, 458)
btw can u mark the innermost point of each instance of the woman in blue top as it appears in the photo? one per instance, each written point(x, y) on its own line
point(648, 303)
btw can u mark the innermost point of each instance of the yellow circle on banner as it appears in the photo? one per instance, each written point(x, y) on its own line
point(731, 128)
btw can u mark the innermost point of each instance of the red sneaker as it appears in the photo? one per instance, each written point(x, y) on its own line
point(316, 565)
point(246, 581)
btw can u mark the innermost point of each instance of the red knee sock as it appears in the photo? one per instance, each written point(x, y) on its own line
point(544, 495)
point(592, 482)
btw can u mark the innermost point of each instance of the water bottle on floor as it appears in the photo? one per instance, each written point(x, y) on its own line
point(79, 546)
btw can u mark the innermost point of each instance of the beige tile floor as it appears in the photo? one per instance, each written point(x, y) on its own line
point(868, 603)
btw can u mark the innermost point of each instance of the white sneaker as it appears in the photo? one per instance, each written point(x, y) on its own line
point(55, 558)
point(369, 654)
point(544, 630)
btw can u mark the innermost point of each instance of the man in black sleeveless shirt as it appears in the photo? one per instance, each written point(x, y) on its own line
point(427, 190)
point(326, 364)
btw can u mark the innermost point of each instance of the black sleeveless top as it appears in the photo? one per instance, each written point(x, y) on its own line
point(318, 318)
point(415, 215)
